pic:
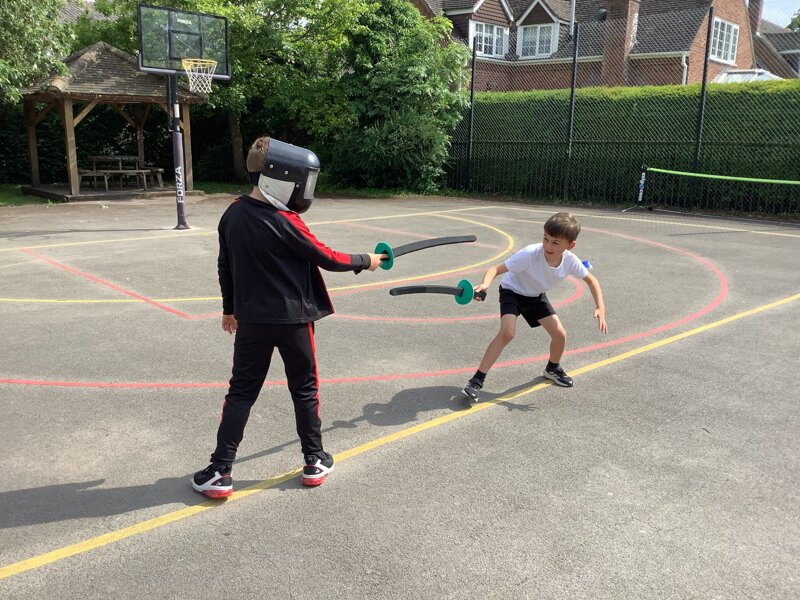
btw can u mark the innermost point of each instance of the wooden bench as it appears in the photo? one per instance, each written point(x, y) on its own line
point(156, 172)
point(140, 174)
point(122, 166)
point(94, 174)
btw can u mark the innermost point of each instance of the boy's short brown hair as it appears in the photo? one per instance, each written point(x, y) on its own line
point(257, 154)
point(563, 225)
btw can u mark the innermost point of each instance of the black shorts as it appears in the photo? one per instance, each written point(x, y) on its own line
point(532, 308)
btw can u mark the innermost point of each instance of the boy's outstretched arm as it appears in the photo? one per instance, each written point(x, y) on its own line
point(489, 277)
point(306, 245)
point(597, 294)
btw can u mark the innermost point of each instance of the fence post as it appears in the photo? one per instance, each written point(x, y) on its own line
point(471, 114)
point(571, 117)
point(701, 113)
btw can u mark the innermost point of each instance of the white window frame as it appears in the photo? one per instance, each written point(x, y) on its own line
point(724, 41)
point(554, 32)
point(497, 34)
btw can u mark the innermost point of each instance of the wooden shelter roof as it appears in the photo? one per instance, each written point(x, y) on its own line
point(107, 74)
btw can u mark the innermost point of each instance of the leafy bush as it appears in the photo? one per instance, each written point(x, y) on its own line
point(401, 86)
point(404, 150)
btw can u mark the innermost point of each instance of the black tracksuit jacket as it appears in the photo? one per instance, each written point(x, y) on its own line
point(269, 265)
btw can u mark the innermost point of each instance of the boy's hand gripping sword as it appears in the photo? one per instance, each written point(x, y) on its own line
point(392, 253)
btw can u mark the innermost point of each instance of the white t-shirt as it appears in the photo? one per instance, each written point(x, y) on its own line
point(530, 275)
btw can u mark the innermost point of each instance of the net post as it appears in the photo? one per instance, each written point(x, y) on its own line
point(638, 201)
point(642, 185)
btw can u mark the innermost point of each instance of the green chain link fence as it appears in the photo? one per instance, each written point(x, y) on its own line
point(588, 142)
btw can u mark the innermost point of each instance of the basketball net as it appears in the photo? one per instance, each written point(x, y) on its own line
point(200, 72)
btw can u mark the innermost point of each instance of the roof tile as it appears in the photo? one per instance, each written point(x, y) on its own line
point(101, 70)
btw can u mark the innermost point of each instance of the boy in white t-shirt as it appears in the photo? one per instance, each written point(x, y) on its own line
point(528, 275)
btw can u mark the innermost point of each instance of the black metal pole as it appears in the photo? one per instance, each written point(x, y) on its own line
point(471, 114)
point(701, 113)
point(177, 148)
point(571, 118)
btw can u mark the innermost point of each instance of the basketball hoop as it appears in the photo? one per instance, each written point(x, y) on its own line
point(200, 73)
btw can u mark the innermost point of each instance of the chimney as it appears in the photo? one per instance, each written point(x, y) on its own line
point(754, 11)
point(619, 33)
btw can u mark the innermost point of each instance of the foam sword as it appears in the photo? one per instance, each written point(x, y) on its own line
point(392, 253)
point(464, 292)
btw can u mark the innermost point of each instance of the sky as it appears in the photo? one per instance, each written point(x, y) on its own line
point(780, 12)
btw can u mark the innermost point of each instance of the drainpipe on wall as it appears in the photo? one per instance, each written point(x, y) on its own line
point(685, 65)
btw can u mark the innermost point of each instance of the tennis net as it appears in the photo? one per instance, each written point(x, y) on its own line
point(687, 191)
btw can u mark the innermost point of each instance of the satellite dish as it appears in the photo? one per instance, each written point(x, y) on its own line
point(601, 14)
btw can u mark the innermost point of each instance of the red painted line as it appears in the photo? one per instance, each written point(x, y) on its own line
point(723, 292)
point(379, 286)
point(370, 288)
point(579, 290)
point(114, 287)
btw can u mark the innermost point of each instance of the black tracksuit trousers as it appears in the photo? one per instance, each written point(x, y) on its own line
point(252, 353)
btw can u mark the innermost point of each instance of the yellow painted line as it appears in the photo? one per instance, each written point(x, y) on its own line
point(659, 221)
point(107, 241)
point(496, 257)
point(126, 532)
point(402, 215)
point(383, 282)
point(175, 235)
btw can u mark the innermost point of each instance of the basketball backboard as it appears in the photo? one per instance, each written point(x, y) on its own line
point(167, 36)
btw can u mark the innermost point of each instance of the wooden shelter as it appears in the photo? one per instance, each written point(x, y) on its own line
point(100, 74)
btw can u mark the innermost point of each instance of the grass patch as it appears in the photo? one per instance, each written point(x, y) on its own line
point(323, 189)
point(348, 192)
point(11, 195)
point(327, 187)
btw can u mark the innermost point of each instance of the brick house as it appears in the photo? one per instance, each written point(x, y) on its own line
point(777, 48)
point(526, 44)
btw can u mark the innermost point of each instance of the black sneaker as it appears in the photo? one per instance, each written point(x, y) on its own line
point(558, 376)
point(214, 481)
point(316, 469)
point(472, 389)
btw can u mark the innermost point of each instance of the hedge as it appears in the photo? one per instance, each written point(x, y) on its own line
point(520, 144)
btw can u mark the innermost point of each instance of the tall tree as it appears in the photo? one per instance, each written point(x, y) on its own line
point(402, 78)
point(33, 40)
point(794, 25)
point(281, 56)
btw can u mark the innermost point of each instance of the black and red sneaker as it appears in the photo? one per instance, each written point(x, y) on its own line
point(214, 481)
point(316, 469)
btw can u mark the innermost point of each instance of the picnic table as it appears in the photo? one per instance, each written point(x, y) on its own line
point(123, 167)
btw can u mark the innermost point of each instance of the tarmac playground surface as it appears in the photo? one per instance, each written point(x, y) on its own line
point(670, 470)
